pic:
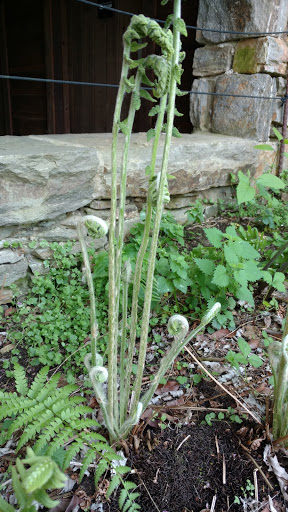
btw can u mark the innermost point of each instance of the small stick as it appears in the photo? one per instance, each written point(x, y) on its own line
point(142, 482)
point(217, 447)
point(257, 466)
point(256, 484)
point(223, 470)
point(213, 503)
point(187, 437)
point(223, 387)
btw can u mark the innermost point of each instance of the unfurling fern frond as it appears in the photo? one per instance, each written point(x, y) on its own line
point(49, 416)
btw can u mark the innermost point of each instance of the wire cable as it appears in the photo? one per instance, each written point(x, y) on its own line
point(94, 4)
point(96, 84)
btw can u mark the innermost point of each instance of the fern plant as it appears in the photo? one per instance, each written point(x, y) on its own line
point(52, 417)
point(122, 407)
point(30, 485)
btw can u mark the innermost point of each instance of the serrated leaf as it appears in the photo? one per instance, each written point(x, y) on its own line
point(230, 255)
point(180, 25)
point(180, 284)
point(244, 347)
point(6, 507)
point(206, 266)
point(269, 180)
point(243, 293)
point(245, 250)
point(252, 271)
point(267, 277)
point(164, 285)
point(214, 236)
point(220, 277)
point(150, 134)
point(145, 94)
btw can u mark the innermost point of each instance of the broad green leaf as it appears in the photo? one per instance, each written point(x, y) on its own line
point(269, 180)
point(230, 255)
point(206, 266)
point(220, 277)
point(180, 284)
point(214, 236)
point(266, 276)
point(245, 250)
point(148, 170)
point(255, 360)
point(243, 293)
point(244, 347)
point(163, 267)
point(278, 280)
point(164, 285)
point(266, 147)
point(252, 271)
point(245, 192)
point(277, 133)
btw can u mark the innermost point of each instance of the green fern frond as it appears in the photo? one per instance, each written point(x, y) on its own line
point(26, 417)
point(18, 488)
point(62, 438)
point(14, 406)
point(20, 379)
point(5, 507)
point(38, 383)
point(33, 429)
point(45, 436)
point(88, 458)
point(49, 387)
point(74, 448)
point(101, 468)
point(114, 484)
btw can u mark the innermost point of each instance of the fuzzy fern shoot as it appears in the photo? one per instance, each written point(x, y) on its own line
point(119, 395)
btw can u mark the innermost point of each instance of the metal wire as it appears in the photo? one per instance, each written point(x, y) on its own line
point(94, 4)
point(96, 84)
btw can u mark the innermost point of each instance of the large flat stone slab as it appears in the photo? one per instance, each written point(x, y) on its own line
point(240, 16)
point(42, 178)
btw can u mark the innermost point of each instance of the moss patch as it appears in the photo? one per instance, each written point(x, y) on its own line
point(245, 60)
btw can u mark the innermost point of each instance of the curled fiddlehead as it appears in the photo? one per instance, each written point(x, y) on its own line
point(96, 227)
point(178, 327)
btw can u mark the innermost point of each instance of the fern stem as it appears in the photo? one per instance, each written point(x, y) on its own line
point(158, 215)
point(141, 254)
point(112, 315)
point(88, 273)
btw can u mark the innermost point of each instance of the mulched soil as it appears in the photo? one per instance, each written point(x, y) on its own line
point(189, 466)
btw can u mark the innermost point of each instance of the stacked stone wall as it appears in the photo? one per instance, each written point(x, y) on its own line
point(240, 64)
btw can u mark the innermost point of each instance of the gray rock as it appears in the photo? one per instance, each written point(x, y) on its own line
point(262, 55)
point(201, 103)
point(213, 60)
point(9, 256)
point(11, 272)
point(40, 179)
point(240, 16)
point(244, 117)
point(36, 266)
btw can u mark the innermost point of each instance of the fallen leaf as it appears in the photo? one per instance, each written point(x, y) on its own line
point(171, 385)
point(254, 342)
point(279, 471)
point(221, 333)
point(9, 311)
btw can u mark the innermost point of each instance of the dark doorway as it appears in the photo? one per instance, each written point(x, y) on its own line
point(69, 40)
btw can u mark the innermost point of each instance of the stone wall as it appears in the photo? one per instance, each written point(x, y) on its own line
point(240, 64)
point(48, 182)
